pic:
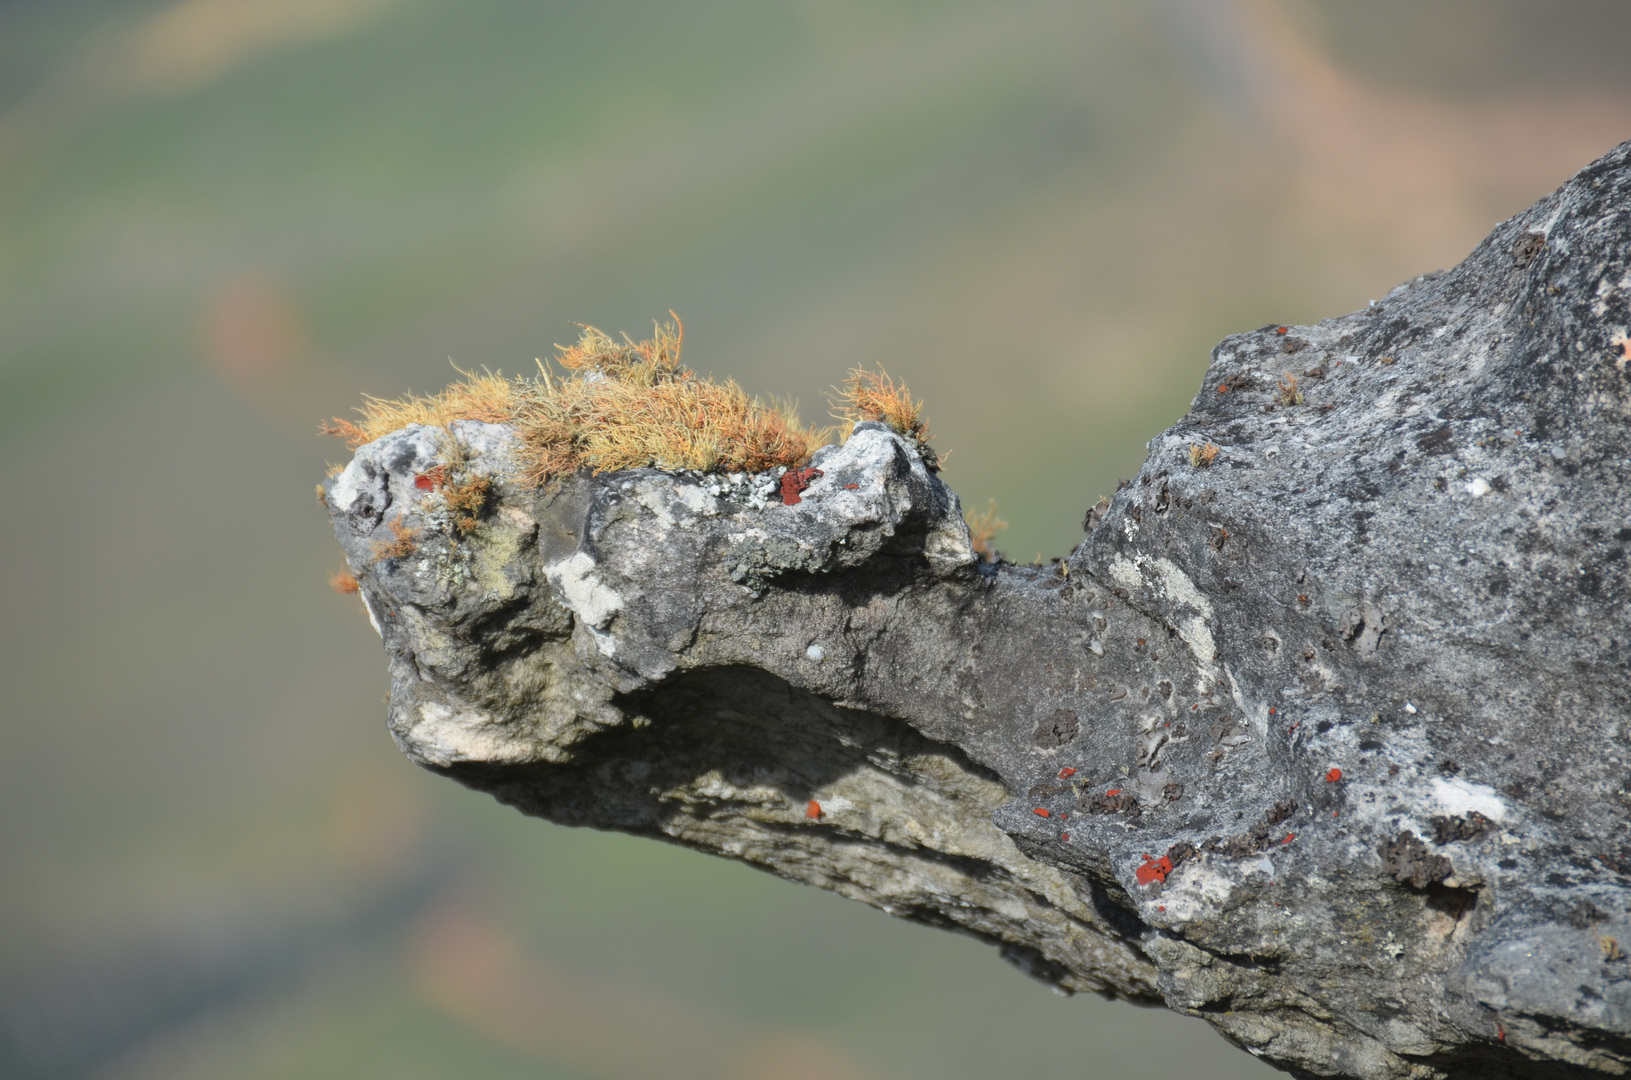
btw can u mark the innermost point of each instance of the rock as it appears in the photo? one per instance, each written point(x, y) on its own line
point(1322, 737)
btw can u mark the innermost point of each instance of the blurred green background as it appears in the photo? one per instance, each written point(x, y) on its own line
point(221, 220)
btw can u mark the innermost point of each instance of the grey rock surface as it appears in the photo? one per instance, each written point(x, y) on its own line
point(1324, 741)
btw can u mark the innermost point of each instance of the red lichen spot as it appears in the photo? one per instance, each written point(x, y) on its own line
point(1290, 836)
point(1223, 388)
point(1163, 907)
point(1064, 836)
point(1500, 1033)
point(1140, 643)
point(812, 809)
point(852, 487)
point(1153, 870)
point(1040, 811)
point(1336, 813)
point(1066, 772)
point(1112, 791)
point(1271, 710)
point(1333, 776)
point(1302, 598)
point(795, 481)
point(431, 479)
point(1063, 816)
point(1281, 329)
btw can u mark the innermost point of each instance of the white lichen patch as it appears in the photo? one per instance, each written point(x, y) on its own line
point(581, 590)
point(1126, 573)
point(693, 498)
point(1197, 889)
point(1457, 797)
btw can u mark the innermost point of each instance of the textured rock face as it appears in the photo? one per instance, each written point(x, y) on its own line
point(1325, 741)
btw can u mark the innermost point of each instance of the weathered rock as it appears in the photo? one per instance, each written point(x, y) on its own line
point(1324, 741)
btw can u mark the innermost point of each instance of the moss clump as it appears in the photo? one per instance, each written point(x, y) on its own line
point(982, 531)
point(873, 395)
point(622, 404)
point(404, 543)
point(468, 500)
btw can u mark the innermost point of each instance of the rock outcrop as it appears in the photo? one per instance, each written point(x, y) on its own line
point(1322, 734)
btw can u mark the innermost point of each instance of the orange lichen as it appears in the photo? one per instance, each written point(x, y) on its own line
point(1153, 870)
point(1202, 456)
point(795, 481)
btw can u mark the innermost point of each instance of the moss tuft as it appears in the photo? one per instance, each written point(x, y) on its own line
point(983, 529)
point(622, 404)
point(873, 395)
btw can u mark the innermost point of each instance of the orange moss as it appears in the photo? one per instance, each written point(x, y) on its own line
point(403, 544)
point(983, 529)
point(873, 395)
point(468, 500)
point(1289, 394)
point(623, 404)
point(343, 581)
point(1202, 456)
point(487, 397)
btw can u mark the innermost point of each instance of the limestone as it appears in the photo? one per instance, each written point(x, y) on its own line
point(1325, 740)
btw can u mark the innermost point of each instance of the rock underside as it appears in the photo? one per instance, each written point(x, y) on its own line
point(1325, 741)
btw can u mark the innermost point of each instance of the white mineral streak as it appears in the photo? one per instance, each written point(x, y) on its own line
point(442, 735)
point(368, 606)
point(1194, 630)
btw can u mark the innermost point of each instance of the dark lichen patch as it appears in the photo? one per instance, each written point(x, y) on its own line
point(1585, 915)
point(1056, 730)
point(1111, 801)
point(1469, 826)
point(1408, 861)
point(1258, 838)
